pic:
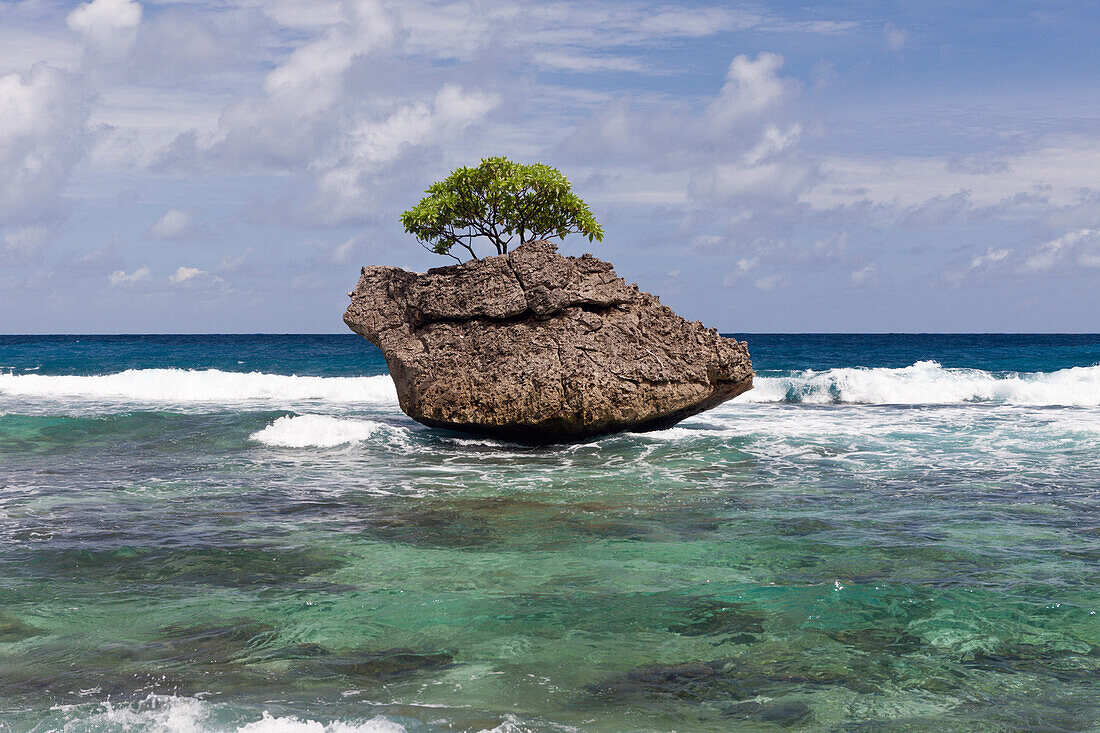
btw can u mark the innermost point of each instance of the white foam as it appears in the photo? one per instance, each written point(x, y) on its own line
point(169, 714)
point(210, 385)
point(926, 382)
point(270, 724)
point(316, 431)
point(673, 433)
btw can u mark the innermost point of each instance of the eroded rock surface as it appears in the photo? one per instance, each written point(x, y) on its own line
point(538, 347)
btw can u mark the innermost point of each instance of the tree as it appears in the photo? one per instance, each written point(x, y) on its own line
point(500, 201)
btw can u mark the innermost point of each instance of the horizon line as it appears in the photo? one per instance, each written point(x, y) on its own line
point(722, 333)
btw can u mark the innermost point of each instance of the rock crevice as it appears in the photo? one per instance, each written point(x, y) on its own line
point(538, 347)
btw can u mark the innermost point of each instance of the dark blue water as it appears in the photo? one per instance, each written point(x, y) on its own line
point(349, 355)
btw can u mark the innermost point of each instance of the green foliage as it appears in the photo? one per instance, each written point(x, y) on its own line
point(500, 201)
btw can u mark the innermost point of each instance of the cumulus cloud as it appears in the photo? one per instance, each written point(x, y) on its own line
point(109, 24)
point(121, 278)
point(42, 136)
point(739, 150)
point(326, 115)
point(991, 256)
point(183, 274)
point(174, 224)
point(1080, 247)
point(351, 184)
point(193, 279)
point(752, 87)
point(339, 112)
point(305, 101)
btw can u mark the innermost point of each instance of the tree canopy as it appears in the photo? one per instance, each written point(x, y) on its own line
point(500, 201)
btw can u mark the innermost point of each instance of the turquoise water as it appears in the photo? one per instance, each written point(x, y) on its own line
point(245, 533)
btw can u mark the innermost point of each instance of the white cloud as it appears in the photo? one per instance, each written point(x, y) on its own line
point(463, 29)
point(770, 282)
point(24, 47)
point(23, 243)
point(119, 277)
point(864, 274)
point(312, 73)
point(193, 279)
point(183, 274)
point(738, 150)
point(1082, 246)
point(991, 256)
point(175, 224)
point(581, 61)
point(767, 172)
point(341, 253)
point(357, 182)
point(1059, 171)
point(752, 87)
point(770, 171)
point(42, 136)
point(110, 24)
point(744, 265)
point(305, 103)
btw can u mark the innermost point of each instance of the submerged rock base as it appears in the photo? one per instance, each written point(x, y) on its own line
point(540, 348)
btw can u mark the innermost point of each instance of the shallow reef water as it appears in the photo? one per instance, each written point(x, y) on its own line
point(186, 551)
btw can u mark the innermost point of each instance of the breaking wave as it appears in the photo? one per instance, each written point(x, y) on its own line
point(927, 382)
point(317, 431)
point(167, 714)
point(210, 385)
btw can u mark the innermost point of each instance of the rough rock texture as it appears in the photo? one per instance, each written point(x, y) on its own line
point(537, 347)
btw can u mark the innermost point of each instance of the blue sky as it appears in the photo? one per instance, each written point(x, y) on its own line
point(841, 166)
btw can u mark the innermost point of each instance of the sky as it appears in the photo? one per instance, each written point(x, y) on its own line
point(843, 166)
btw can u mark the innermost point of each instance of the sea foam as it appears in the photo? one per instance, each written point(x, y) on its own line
point(317, 431)
point(927, 382)
point(171, 714)
point(271, 724)
point(210, 385)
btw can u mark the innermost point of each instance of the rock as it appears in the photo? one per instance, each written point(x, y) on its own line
point(537, 347)
point(715, 617)
point(695, 681)
point(15, 629)
point(389, 664)
point(782, 712)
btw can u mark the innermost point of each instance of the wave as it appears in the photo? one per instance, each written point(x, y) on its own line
point(172, 714)
point(927, 382)
point(177, 714)
point(271, 724)
point(210, 385)
point(317, 431)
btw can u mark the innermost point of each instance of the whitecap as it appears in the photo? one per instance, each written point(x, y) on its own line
point(171, 714)
point(177, 386)
point(673, 433)
point(271, 724)
point(318, 431)
point(927, 382)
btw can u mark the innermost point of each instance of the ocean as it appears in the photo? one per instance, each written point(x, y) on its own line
point(244, 533)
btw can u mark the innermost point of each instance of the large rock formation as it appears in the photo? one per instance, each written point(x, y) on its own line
point(537, 347)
